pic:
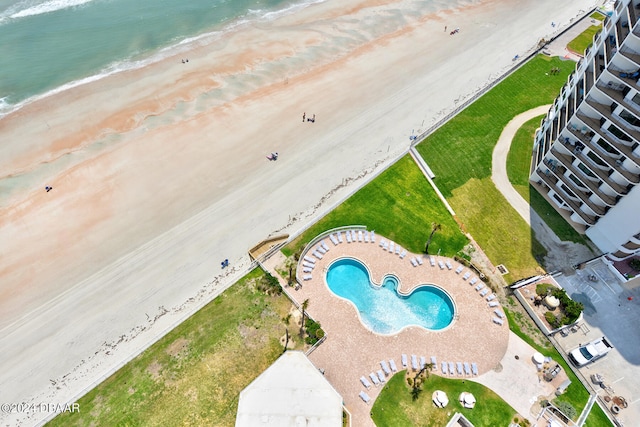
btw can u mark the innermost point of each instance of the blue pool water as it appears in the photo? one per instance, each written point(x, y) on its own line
point(382, 309)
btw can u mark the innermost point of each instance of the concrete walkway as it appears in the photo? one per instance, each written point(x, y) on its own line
point(561, 255)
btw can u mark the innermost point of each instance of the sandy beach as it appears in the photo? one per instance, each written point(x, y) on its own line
point(160, 173)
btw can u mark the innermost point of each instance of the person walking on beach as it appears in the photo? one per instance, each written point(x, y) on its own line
point(445, 28)
point(303, 116)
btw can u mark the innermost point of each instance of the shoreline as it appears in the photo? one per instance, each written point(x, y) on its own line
point(153, 248)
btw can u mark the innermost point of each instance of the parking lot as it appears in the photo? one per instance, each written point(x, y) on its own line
point(611, 309)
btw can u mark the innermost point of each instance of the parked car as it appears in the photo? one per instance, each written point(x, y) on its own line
point(590, 352)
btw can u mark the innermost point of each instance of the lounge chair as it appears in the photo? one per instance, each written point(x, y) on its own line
point(491, 297)
point(309, 259)
point(321, 249)
point(449, 266)
point(325, 246)
point(467, 368)
point(381, 376)
point(452, 370)
point(414, 262)
point(365, 382)
point(497, 321)
point(434, 363)
point(459, 366)
point(392, 363)
point(386, 246)
point(441, 265)
point(499, 313)
point(479, 286)
point(473, 281)
point(474, 368)
point(340, 237)
point(381, 244)
point(445, 370)
point(432, 260)
point(333, 239)
point(414, 362)
point(307, 277)
point(466, 275)
point(373, 236)
point(459, 269)
point(365, 397)
point(366, 237)
point(360, 239)
point(348, 234)
point(419, 259)
point(307, 270)
point(404, 360)
point(423, 362)
point(308, 264)
point(398, 249)
point(317, 254)
point(385, 367)
point(403, 254)
point(392, 246)
point(484, 292)
point(374, 378)
point(494, 304)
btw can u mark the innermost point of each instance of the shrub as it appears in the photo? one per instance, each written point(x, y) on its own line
point(270, 285)
point(635, 264)
point(552, 319)
point(314, 332)
point(567, 409)
point(542, 289)
point(570, 308)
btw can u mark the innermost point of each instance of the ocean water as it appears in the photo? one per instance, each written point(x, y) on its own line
point(49, 45)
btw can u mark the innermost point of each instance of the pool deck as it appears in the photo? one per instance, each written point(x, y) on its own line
point(351, 350)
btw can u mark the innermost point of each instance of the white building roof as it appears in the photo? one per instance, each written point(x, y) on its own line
point(291, 392)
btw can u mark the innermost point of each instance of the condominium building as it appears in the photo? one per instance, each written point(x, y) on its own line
point(586, 154)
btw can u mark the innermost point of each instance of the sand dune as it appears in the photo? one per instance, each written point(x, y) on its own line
point(160, 173)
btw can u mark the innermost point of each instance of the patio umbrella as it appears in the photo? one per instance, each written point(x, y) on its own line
point(441, 396)
point(469, 400)
point(538, 358)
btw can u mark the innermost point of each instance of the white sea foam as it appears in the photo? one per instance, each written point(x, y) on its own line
point(31, 8)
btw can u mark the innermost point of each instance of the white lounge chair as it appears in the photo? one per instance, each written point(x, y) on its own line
point(373, 236)
point(374, 378)
point(348, 235)
point(366, 237)
point(452, 369)
point(365, 397)
point(499, 313)
point(414, 362)
point(432, 260)
point(403, 254)
point(386, 246)
point(385, 367)
point(479, 286)
point(467, 368)
point(441, 265)
point(484, 292)
point(325, 246)
point(434, 363)
point(473, 281)
point(423, 362)
point(381, 376)
point(307, 270)
point(321, 249)
point(308, 265)
point(459, 366)
point(404, 360)
point(466, 276)
point(392, 363)
point(445, 370)
point(309, 259)
point(449, 266)
point(307, 277)
point(494, 304)
point(381, 244)
point(360, 237)
point(459, 269)
point(497, 321)
point(333, 239)
point(491, 297)
point(398, 249)
point(365, 382)
point(414, 262)
point(392, 246)
point(340, 237)
point(317, 254)
point(419, 259)
point(474, 368)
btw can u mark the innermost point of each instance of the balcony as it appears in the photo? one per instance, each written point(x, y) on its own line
point(592, 186)
point(551, 182)
point(630, 55)
point(606, 112)
point(581, 194)
point(618, 97)
point(599, 172)
point(622, 30)
point(632, 15)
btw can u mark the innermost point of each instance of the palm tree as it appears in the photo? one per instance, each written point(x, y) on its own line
point(417, 381)
point(303, 307)
point(434, 227)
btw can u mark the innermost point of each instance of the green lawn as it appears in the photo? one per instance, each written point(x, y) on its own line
point(597, 418)
point(399, 204)
point(395, 407)
point(193, 376)
point(518, 162)
point(598, 16)
point(459, 153)
point(583, 40)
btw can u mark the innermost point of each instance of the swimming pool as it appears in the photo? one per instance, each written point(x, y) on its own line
point(382, 309)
